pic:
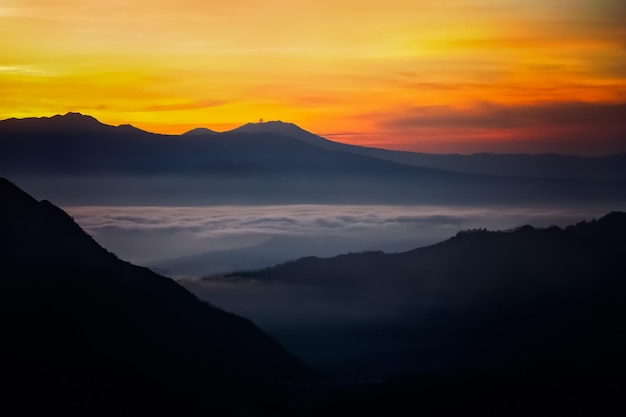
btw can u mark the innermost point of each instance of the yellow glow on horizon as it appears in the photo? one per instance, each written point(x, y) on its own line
point(330, 65)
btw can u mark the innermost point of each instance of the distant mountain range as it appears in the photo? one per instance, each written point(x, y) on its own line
point(200, 131)
point(83, 330)
point(278, 162)
point(524, 165)
point(521, 165)
point(77, 144)
point(275, 250)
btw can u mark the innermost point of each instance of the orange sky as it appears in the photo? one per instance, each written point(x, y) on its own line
point(436, 76)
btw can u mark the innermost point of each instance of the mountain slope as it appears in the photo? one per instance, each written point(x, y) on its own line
point(68, 122)
point(199, 131)
point(55, 143)
point(78, 144)
point(275, 250)
point(95, 331)
point(519, 165)
point(290, 130)
point(530, 300)
point(103, 165)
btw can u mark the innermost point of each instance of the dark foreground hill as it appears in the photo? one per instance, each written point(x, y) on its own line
point(83, 331)
point(482, 294)
point(526, 322)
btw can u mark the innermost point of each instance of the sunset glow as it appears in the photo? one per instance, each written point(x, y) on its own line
point(434, 76)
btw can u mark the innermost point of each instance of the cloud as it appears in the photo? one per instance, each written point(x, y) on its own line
point(142, 234)
point(189, 105)
point(500, 116)
point(562, 127)
point(28, 70)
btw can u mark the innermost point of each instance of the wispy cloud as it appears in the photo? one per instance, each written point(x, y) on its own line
point(187, 105)
point(499, 116)
point(563, 126)
point(28, 70)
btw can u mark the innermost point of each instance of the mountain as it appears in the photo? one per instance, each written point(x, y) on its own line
point(83, 330)
point(544, 301)
point(518, 165)
point(77, 135)
point(77, 144)
point(275, 250)
point(86, 162)
point(290, 130)
point(200, 131)
point(611, 167)
point(69, 122)
point(516, 322)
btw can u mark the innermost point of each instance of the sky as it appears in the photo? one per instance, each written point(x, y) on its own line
point(434, 76)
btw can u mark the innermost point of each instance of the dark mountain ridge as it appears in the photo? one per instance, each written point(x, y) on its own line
point(290, 130)
point(527, 300)
point(275, 250)
point(549, 165)
point(519, 165)
point(518, 322)
point(199, 131)
point(252, 164)
point(78, 144)
point(68, 122)
point(93, 331)
point(526, 321)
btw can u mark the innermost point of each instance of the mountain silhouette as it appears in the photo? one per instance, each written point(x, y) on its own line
point(69, 122)
point(79, 144)
point(525, 321)
point(249, 165)
point(611, 167)
point(36, 132)
point(83, 330)
point(528, 300)
point(199, 131)
point(520, 165)
point(275, 250)
point(290, 130)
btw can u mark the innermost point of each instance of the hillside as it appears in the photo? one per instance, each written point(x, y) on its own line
point(83, 330)
point(478, 299)
point(517, 322)
point(512, 165)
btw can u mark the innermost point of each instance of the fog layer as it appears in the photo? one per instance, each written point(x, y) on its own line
point(229, 238)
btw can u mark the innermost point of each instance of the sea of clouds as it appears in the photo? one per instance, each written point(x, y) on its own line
point(145, 234)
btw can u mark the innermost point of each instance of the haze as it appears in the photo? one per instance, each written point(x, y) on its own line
point(275, 234)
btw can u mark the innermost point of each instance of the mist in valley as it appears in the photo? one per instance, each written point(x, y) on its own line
point(196, 241)
point(370, 325)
